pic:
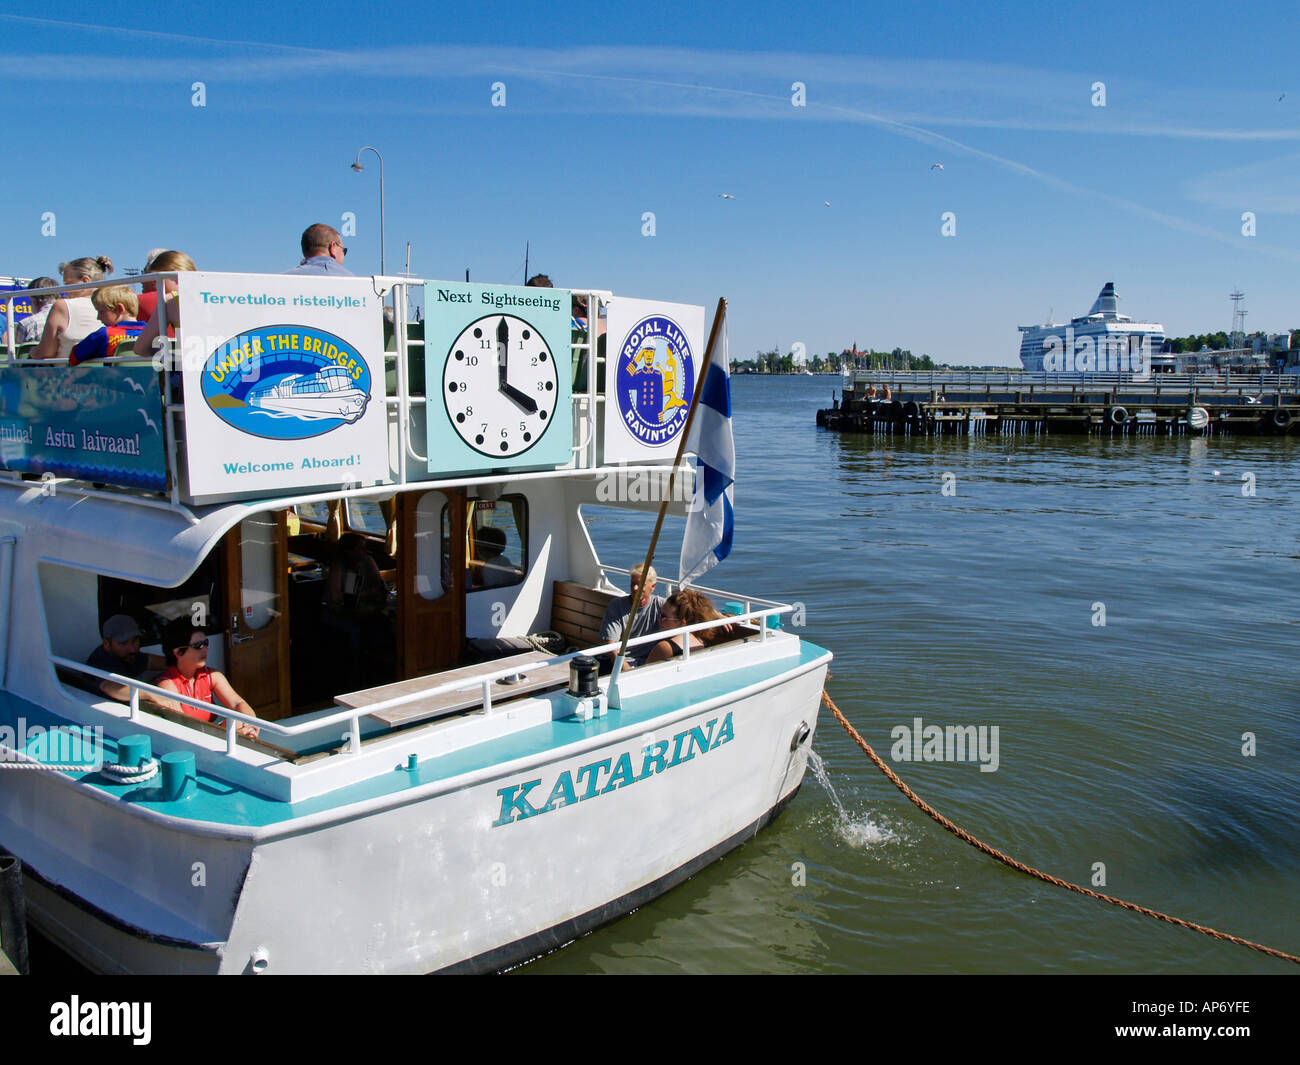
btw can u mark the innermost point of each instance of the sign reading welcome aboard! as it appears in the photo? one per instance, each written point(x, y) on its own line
point(653, 359)
point(284, 382)
point(497, 363)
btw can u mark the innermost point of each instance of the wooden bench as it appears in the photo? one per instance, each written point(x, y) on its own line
point(577, 612)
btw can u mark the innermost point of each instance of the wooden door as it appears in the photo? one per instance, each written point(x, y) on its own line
point(431, 581)
point(256, 564)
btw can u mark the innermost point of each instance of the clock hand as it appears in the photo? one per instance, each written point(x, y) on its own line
point(527, 403)
point(503, 348)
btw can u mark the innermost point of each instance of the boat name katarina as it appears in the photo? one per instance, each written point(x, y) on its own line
point(515, 804)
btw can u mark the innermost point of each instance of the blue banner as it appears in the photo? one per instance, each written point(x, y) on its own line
point(93, 422)
point(22, 307)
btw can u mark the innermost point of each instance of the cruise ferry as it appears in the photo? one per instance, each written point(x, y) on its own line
point(413, 801)
point(1101, 340)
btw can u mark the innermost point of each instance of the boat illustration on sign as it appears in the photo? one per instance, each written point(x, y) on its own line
point(329, 393)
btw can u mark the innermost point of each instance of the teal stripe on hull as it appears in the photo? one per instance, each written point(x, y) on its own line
point(219, 802)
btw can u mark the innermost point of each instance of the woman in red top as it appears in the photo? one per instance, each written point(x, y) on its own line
point(187, 674)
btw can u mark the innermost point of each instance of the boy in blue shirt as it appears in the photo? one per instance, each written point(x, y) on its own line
point(118, 309)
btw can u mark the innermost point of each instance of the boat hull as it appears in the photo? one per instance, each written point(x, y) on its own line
point(477, 873)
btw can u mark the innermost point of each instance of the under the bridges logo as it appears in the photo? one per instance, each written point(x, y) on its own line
point(286, 382)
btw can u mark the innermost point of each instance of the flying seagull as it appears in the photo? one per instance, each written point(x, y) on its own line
point(726, 196)
point(826, 202)
point(1281, 98)
point(936, 166)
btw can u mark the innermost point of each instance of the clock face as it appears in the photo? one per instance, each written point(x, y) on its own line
point(500, 385)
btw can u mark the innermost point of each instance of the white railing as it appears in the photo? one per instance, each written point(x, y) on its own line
point(484, 681)
point(585, 407)
point(1014, 379)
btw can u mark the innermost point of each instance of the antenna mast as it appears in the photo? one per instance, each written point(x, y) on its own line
point(1238, 320)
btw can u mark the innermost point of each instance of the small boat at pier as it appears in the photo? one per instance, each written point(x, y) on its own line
point(440, 782)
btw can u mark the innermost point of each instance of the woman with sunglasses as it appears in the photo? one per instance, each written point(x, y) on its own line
point(187, 674)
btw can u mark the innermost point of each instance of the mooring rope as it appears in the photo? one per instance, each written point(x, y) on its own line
point(15, 759)
point(1005, 859)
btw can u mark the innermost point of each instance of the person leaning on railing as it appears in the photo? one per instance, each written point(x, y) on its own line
point(646, 621)
point(72, 318)
point(687, 607)
point(120, 653)
point(188, 674)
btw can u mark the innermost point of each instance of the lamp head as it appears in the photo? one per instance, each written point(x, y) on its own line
point(357, 166)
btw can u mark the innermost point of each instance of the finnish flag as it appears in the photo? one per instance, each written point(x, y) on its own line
point(711, 521)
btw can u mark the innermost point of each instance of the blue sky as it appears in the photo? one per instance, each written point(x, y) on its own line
point(612, 111)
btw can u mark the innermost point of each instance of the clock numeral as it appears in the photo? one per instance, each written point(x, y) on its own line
point(484, 426)
point(485, 344)
point(541, 386)
point(505, 432)
point(472, 360)
point(522, 427)
point(534, 360)
point(469, 412)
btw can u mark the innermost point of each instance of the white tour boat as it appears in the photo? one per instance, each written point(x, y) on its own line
point(326, 394)
point(404, 809)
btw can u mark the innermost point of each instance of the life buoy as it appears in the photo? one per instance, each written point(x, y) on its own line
point(1281, 418)
point(1198, 418)
point(1118, 415)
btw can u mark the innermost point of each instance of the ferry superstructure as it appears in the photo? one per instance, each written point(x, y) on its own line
point(1107, 335)
point(404, 809)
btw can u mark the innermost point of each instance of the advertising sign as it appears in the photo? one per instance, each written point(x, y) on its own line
point(284, 382)
point(22, 307)
point(654, 352)
point(497, 376)
point(98, 423)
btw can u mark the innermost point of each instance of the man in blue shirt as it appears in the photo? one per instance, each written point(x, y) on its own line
point(322, 252)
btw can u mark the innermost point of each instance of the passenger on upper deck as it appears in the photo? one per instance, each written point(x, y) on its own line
point(162, 261)
point(120, 653)
point(119, 312)
point(188, 674)
point(30, 328)
point(72, 318)
point(319, 245)
point(687, 607)
point(646, 621)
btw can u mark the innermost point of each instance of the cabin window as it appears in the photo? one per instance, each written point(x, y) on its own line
point(257, 548)
point(432, 546)
point(315, 513)
point(367, 516)
point(152, 606)
point(498, 542)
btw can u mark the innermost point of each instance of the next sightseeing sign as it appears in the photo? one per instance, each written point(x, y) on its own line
point(284, 382)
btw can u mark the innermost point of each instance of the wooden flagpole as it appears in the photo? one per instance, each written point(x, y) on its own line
point(663, 506)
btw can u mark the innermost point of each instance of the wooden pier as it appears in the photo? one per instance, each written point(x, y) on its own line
point(1000, 401)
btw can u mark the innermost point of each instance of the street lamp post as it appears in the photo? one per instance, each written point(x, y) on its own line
point(383, 266)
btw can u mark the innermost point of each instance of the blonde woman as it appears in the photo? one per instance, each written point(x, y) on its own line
point(162, 262)
point(72, 318)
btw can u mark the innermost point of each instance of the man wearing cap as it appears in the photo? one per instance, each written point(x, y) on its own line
point(120, 653)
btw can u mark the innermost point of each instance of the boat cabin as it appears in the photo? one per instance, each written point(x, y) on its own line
point(347, 507)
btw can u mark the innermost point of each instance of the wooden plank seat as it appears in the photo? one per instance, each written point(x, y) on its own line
point(577, 612)
point(533, 678)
